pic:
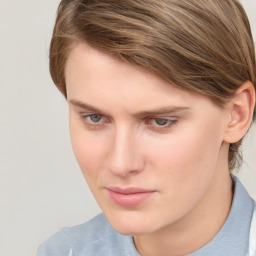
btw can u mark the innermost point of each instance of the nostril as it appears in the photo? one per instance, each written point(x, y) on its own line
point(125, 157)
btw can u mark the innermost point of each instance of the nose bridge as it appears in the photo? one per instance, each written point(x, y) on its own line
point(125, 157)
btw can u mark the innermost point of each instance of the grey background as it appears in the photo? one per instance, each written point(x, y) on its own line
point(41, 187)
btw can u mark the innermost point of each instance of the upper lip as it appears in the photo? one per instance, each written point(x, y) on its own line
point(130, 190)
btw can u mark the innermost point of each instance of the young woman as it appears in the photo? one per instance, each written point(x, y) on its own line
point(161, 94)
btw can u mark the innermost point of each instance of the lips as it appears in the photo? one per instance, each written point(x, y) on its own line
point(129, 197)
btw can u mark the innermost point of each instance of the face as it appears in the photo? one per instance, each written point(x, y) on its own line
point(149, 152)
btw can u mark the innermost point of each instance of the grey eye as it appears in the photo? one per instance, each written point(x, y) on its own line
point(161, 122)
point(95, 118)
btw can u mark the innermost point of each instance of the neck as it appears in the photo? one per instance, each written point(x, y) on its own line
point(195, 229)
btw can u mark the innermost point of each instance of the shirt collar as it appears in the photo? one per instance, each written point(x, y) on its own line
point(233, 238)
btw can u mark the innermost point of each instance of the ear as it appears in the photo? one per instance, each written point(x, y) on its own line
point(240, 108)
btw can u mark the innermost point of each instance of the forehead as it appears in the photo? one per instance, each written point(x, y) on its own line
point(92, 75)
point(90, 60)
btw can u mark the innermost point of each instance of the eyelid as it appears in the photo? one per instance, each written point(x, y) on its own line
point(91, 114)
point(172, 118)
point(149, 121)
point(170, 123)
point(93, 125)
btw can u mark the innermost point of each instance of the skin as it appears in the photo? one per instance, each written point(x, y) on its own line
point(181, 154)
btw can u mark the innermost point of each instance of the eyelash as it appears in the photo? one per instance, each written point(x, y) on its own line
point(164, 127)
point(98, 125)
point(93, 125)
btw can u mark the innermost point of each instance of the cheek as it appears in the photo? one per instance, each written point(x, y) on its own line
point(187, 157)
point(184, 167)
point(88, 150)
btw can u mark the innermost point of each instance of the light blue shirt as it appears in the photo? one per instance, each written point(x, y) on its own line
point(97, 238)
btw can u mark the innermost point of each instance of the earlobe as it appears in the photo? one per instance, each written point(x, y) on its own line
point(241, 108)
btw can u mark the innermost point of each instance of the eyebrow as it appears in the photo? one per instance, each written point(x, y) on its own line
point(162, 111)
point(158, 111)
point(83, 105)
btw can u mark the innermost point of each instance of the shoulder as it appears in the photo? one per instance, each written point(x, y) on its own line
point(94, 237)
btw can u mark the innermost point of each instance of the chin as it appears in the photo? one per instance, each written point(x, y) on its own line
point(130, 224)
point(132, 230)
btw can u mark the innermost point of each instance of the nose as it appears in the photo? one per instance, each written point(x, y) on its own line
point(126, 157)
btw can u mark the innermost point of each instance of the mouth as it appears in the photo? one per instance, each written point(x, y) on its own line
point(129, 197)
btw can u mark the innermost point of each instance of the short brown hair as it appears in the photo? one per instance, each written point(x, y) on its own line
point(203, 46)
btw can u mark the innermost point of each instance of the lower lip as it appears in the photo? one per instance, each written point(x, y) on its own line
point(129, 200)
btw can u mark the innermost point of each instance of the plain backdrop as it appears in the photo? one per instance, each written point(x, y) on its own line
point(41, 186)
